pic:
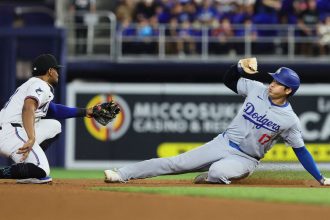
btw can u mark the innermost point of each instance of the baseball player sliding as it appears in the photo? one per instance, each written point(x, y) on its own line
point(24, 130)
point(265, 117)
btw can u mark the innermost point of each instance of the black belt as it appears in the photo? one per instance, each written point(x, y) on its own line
point(15, 125)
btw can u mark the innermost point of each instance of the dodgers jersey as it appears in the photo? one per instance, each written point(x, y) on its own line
point(33, 88)
point(260, 123)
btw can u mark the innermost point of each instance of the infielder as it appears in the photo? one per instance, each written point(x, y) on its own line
point(24, 131)
point(265, 117)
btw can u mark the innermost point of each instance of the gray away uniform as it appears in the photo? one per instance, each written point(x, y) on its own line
point(236, 152)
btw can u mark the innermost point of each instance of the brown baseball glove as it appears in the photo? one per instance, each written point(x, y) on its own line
point(249, 65)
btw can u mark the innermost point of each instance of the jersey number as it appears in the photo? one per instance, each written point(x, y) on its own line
point(264, 139)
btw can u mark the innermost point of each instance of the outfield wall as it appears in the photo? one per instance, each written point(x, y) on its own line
point(161, 120)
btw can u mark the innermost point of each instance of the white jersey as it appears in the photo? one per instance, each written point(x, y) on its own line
point(33, 88)
point(260, 123)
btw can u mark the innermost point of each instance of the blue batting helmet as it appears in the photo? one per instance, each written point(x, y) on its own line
point(287, 77)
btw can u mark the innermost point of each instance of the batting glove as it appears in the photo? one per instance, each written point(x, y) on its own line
point(325, 181)
point(249, 65)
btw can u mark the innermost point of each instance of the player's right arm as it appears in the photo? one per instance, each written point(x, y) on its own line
point(28, 118)
point(231, 78)
point(235, 72)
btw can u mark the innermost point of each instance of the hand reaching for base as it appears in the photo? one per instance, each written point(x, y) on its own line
point(325, 181)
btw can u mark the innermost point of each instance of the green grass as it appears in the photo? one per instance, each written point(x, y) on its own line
point(276, 194)
point(59, 173)
point(98, 174)
point(292, 195)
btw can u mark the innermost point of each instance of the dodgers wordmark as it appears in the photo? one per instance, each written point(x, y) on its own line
point(265, 117)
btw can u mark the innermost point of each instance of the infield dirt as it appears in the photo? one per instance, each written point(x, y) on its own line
point(73, 199)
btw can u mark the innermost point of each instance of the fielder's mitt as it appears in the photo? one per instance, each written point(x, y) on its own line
point(105, 112)
point(249, 65)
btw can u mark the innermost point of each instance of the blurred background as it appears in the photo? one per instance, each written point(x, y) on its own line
point(161, 60)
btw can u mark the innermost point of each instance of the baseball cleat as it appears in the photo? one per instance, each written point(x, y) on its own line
point(111, 176)
point(43, 180)
point(201, 179)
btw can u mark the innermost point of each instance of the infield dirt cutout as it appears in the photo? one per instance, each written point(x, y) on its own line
point(67, 199)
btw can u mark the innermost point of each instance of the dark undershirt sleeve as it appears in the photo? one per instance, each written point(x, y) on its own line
point(232, 76)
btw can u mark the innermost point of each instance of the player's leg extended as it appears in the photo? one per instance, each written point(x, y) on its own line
point(35, 166)
point(188, 161)
point(230, 168)
point(47, 131)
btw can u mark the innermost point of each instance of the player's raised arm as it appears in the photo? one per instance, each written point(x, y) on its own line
point(249, 65)
point(231, 77)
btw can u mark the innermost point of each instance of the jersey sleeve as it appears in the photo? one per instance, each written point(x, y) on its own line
point(38, 93)
point(293, 136)
point(245, 86)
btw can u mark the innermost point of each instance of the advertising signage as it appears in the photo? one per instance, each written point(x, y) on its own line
point(161, 120)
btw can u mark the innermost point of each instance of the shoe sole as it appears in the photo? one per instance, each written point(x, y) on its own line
point(34, 181)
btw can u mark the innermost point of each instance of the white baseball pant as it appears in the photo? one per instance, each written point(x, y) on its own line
point(13, 137)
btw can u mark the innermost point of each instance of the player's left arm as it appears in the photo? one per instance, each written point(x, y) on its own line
point(102, 113)
point(309, 164)
point(294, 138)
point(58, 111)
